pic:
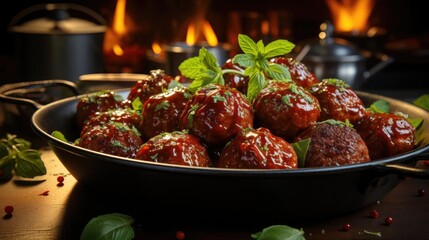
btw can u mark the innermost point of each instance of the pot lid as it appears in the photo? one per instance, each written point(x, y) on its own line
point(57, 19)
point(327, 46)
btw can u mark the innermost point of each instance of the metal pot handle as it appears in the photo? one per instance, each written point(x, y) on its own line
point(7, 89)
point(384, 60)
point(57, 6)
point(407, 170)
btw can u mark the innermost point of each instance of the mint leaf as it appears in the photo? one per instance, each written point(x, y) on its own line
point(247, 45)
point(279, 232)
point(203, 70)
point(278, 72)
point(29, 164)
point(256, 83)
point(244, 60)
point(114, 226)
point(191, 67)
point(277, 48)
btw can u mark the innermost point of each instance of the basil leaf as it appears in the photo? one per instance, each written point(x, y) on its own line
point(301, 149)
point(422, 101)
point(6, 166)
point(417, 123)
point(3, 151)
point(279, 232)
point(277, 48)
point(114, 226)
point(29, 164)
point(380, 106)
point(247, 45)
point(59, 135)
point(19, 143)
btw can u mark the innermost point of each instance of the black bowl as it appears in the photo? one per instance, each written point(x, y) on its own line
point(298, 194)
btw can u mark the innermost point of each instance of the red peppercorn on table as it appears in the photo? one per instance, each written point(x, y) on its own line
point(56, 206)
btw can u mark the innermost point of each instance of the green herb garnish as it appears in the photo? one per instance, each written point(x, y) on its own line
point(16, 156)
point(301, 149)
point(114, 226)
point(422, 101)
point(204, 69)
point(279, 232)
point(380, 106)
point(256, 61)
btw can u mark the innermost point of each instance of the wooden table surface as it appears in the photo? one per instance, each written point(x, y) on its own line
point(43, 210)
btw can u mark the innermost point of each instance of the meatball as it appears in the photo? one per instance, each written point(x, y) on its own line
point(161, 112)
point(100, 101)
point(298, 71)
point(216, 113)
point(233, 80)
point(386, 134)
point(286, 109)
point(153, 84)
point(258, 149)
point(125, 116)
point(338, 101)
point(333, 143)
point(112, 138)
point(178, 147)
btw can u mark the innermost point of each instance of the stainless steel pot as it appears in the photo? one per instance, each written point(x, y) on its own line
point(58, 41)
point(329, 57)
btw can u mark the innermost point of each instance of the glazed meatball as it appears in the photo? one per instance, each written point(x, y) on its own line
point(233, 80)
point(216, 113)
point(286, 109)
point(100, 101)
point(161, 112)
point(177, 147)
point(153, 84)
point(298, 71)
point(125, 116)
point(258, 149)
point(338, 101)
point(333, 143)
point(112, 138)
point(386, 134)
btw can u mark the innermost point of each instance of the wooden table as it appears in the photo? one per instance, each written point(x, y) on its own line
point(43, 210)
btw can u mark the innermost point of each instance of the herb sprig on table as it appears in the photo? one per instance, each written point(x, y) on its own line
point(204, 69)
point(17, 157)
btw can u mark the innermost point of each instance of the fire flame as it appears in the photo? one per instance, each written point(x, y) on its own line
point(350, 15)
point(112, 41)
point(194, 32)
point(156, 48)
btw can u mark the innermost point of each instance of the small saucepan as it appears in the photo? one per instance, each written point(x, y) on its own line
point(329, 57)
point(19, 101)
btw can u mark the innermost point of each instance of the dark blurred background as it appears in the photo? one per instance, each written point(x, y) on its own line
point(402, 31)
